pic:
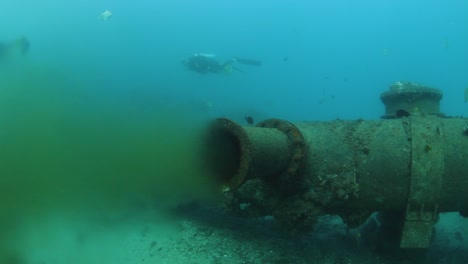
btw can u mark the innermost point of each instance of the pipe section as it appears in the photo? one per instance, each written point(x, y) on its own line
point(270, 150)
point(414, 166)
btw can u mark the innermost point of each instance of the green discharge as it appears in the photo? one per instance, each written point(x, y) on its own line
point(64, 151)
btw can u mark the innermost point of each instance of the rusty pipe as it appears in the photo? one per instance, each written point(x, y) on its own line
point(415, 165)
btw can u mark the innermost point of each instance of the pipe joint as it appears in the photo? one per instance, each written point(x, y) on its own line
point(274, 149)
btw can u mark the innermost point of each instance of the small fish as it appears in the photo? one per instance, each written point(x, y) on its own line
point(466, 94)
point(249, 120)
point(105, 15)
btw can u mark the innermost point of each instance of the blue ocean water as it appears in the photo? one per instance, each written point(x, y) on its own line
point(321, 59)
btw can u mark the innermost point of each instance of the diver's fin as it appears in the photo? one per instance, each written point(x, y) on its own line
point(250, 62)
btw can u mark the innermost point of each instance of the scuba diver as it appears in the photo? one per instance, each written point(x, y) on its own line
point(11, 49)
point(208, 63)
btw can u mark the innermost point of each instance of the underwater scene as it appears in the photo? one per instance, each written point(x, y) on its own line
point(233, 132)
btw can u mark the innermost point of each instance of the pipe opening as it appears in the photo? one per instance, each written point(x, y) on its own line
point(225, 153)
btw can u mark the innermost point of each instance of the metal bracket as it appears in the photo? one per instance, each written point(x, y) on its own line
point(427, 169)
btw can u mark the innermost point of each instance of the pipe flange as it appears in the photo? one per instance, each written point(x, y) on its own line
point(297, 144)
point(236, 174)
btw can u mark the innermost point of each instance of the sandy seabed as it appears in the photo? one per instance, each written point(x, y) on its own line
point(209, 236)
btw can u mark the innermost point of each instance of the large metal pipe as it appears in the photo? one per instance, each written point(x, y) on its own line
point(414, 166)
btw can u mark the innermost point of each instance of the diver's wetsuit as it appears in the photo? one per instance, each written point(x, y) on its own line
point(205, 64)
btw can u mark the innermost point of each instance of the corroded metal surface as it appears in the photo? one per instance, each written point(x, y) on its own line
point(352, 168)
